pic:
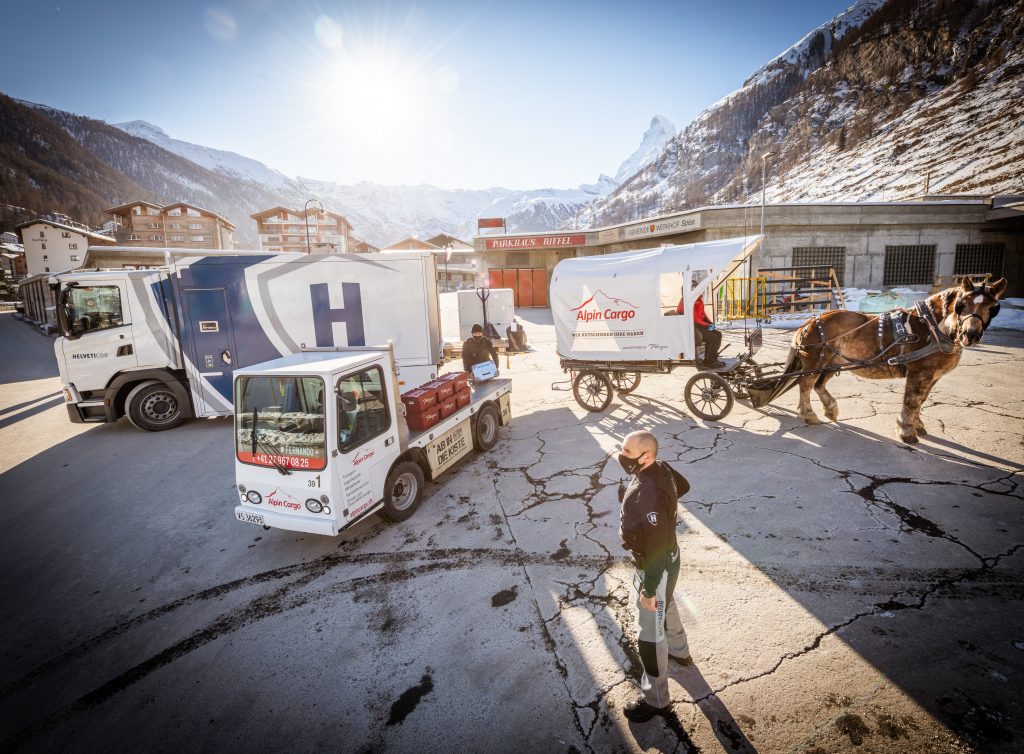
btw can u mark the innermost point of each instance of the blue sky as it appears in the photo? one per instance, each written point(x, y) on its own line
point(458, 94)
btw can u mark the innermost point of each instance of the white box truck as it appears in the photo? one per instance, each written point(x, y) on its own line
point(161, 345)
point(321, 441)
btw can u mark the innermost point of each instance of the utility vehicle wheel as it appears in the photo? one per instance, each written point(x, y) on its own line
point(708, 396)
point(592, 390)
point(403, 490)
point(153, 406)
point(625, 382)
point(485, 428)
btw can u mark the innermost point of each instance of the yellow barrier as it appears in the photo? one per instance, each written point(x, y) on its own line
point(743, 298)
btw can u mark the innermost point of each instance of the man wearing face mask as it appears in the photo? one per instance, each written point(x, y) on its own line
point(648, 532)
point(477, 349)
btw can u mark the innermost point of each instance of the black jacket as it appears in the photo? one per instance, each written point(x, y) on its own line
point(648, 520)
point(477, 351)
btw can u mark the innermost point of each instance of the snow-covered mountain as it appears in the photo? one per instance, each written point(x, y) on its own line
point(220, 161)
point(384, 214)
point(886, 97)
point(658, 135)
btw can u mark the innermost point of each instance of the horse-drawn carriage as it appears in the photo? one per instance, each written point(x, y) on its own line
point(614, 322)
point(611, 328)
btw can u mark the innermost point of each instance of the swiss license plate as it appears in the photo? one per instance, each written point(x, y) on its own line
point(249, 518)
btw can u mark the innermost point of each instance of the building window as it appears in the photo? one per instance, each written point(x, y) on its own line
point(176, 212)
point(132, 237)
point(136, 210)
point(74, 257)
point(177, 238)
point(72, 247)
point(47, 269)
point(195, 226)
point(979, 258)
point(44, 255)
point(198, 238)
point(44, 247)
point(154, 225)
point(176, 226)
point(152, 211)
point(156, 237)
point(909, 265)
point(192, 213)
point(821, 258)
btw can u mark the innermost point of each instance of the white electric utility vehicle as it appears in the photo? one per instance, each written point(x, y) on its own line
point(321, 440)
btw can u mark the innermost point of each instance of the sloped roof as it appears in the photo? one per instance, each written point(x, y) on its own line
point(411, 243)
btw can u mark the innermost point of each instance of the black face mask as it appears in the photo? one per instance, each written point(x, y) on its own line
point(630, 465)
point(478, 336)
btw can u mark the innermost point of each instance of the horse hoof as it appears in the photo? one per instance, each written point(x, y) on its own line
point(812, 419)
point(909, 439)
point(921, 430)
point(833, 415)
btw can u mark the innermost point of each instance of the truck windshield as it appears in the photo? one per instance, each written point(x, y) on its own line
point(97, 307)
point(289, 428)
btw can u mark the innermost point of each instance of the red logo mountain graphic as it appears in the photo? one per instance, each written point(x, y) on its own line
point(605, 301)
point(605, 308)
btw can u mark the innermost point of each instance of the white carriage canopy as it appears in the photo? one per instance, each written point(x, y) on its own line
point(613, 307)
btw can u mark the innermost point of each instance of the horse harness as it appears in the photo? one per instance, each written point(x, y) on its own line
point(898, 320)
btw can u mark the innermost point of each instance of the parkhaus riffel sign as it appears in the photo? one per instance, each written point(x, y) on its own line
point(535, 242)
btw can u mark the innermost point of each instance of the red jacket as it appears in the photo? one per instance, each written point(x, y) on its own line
point(700, 317)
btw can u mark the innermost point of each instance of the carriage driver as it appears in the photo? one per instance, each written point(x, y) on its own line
point(704, 329)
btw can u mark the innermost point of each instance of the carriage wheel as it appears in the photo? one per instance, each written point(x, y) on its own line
point(625, 382)
point(592, 389)
point(708, 396)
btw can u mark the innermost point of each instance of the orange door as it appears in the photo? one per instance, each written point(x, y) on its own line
point(525, 287)
point(540, 287)
point(494, 279)
point(509, 281)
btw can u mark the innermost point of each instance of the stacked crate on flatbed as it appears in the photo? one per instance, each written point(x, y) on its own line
point(428, 404)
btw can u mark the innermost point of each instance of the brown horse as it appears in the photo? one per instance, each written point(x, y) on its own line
point(933, 335)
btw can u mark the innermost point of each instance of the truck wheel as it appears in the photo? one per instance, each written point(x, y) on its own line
point(153, 406)
point(485, 428)
point(592, 390)
point(708, 396)
point(403, 490)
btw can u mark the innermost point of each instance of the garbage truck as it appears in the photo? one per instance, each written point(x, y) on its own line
point(161, 345)
point(325, 438)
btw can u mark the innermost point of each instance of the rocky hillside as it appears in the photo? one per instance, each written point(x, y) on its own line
point(870, 106)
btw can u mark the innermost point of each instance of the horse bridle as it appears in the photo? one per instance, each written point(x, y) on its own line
point(993, 310)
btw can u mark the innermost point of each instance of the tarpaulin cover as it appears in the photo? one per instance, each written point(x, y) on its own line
point(612, 307)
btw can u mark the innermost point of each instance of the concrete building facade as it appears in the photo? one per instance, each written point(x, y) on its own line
point(875, 245)
point(282, 229)
point(56, 247)
point(179, 225)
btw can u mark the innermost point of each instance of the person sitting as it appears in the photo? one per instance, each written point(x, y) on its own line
point(477, 349)
point(704, 329)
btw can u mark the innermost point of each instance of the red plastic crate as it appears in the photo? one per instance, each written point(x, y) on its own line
point(421, 420)
point(463, 397)
point(459, 379)
point(448, 407)
point(444, 390)
point(420, 399)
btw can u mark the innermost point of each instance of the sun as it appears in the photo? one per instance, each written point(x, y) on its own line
point(377, 98)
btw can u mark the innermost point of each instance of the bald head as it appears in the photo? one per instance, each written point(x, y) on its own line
point(640, 442)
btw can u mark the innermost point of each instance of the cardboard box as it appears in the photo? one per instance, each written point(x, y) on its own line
point(420, 399)
point(419, 421)
point(448, 406)
point(462, 398)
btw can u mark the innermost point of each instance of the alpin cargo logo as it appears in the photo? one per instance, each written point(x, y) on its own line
point(602, 307)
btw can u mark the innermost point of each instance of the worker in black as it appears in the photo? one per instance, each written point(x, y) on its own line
point(477, 349)
point(648, 533)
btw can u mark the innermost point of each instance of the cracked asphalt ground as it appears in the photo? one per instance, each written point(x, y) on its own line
point(842, 591)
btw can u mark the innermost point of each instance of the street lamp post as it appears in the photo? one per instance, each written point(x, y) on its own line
point(764, 170)
point(305, 212)
point(447, 253)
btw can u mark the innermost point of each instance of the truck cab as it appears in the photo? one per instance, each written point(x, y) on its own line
point(321, 441)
